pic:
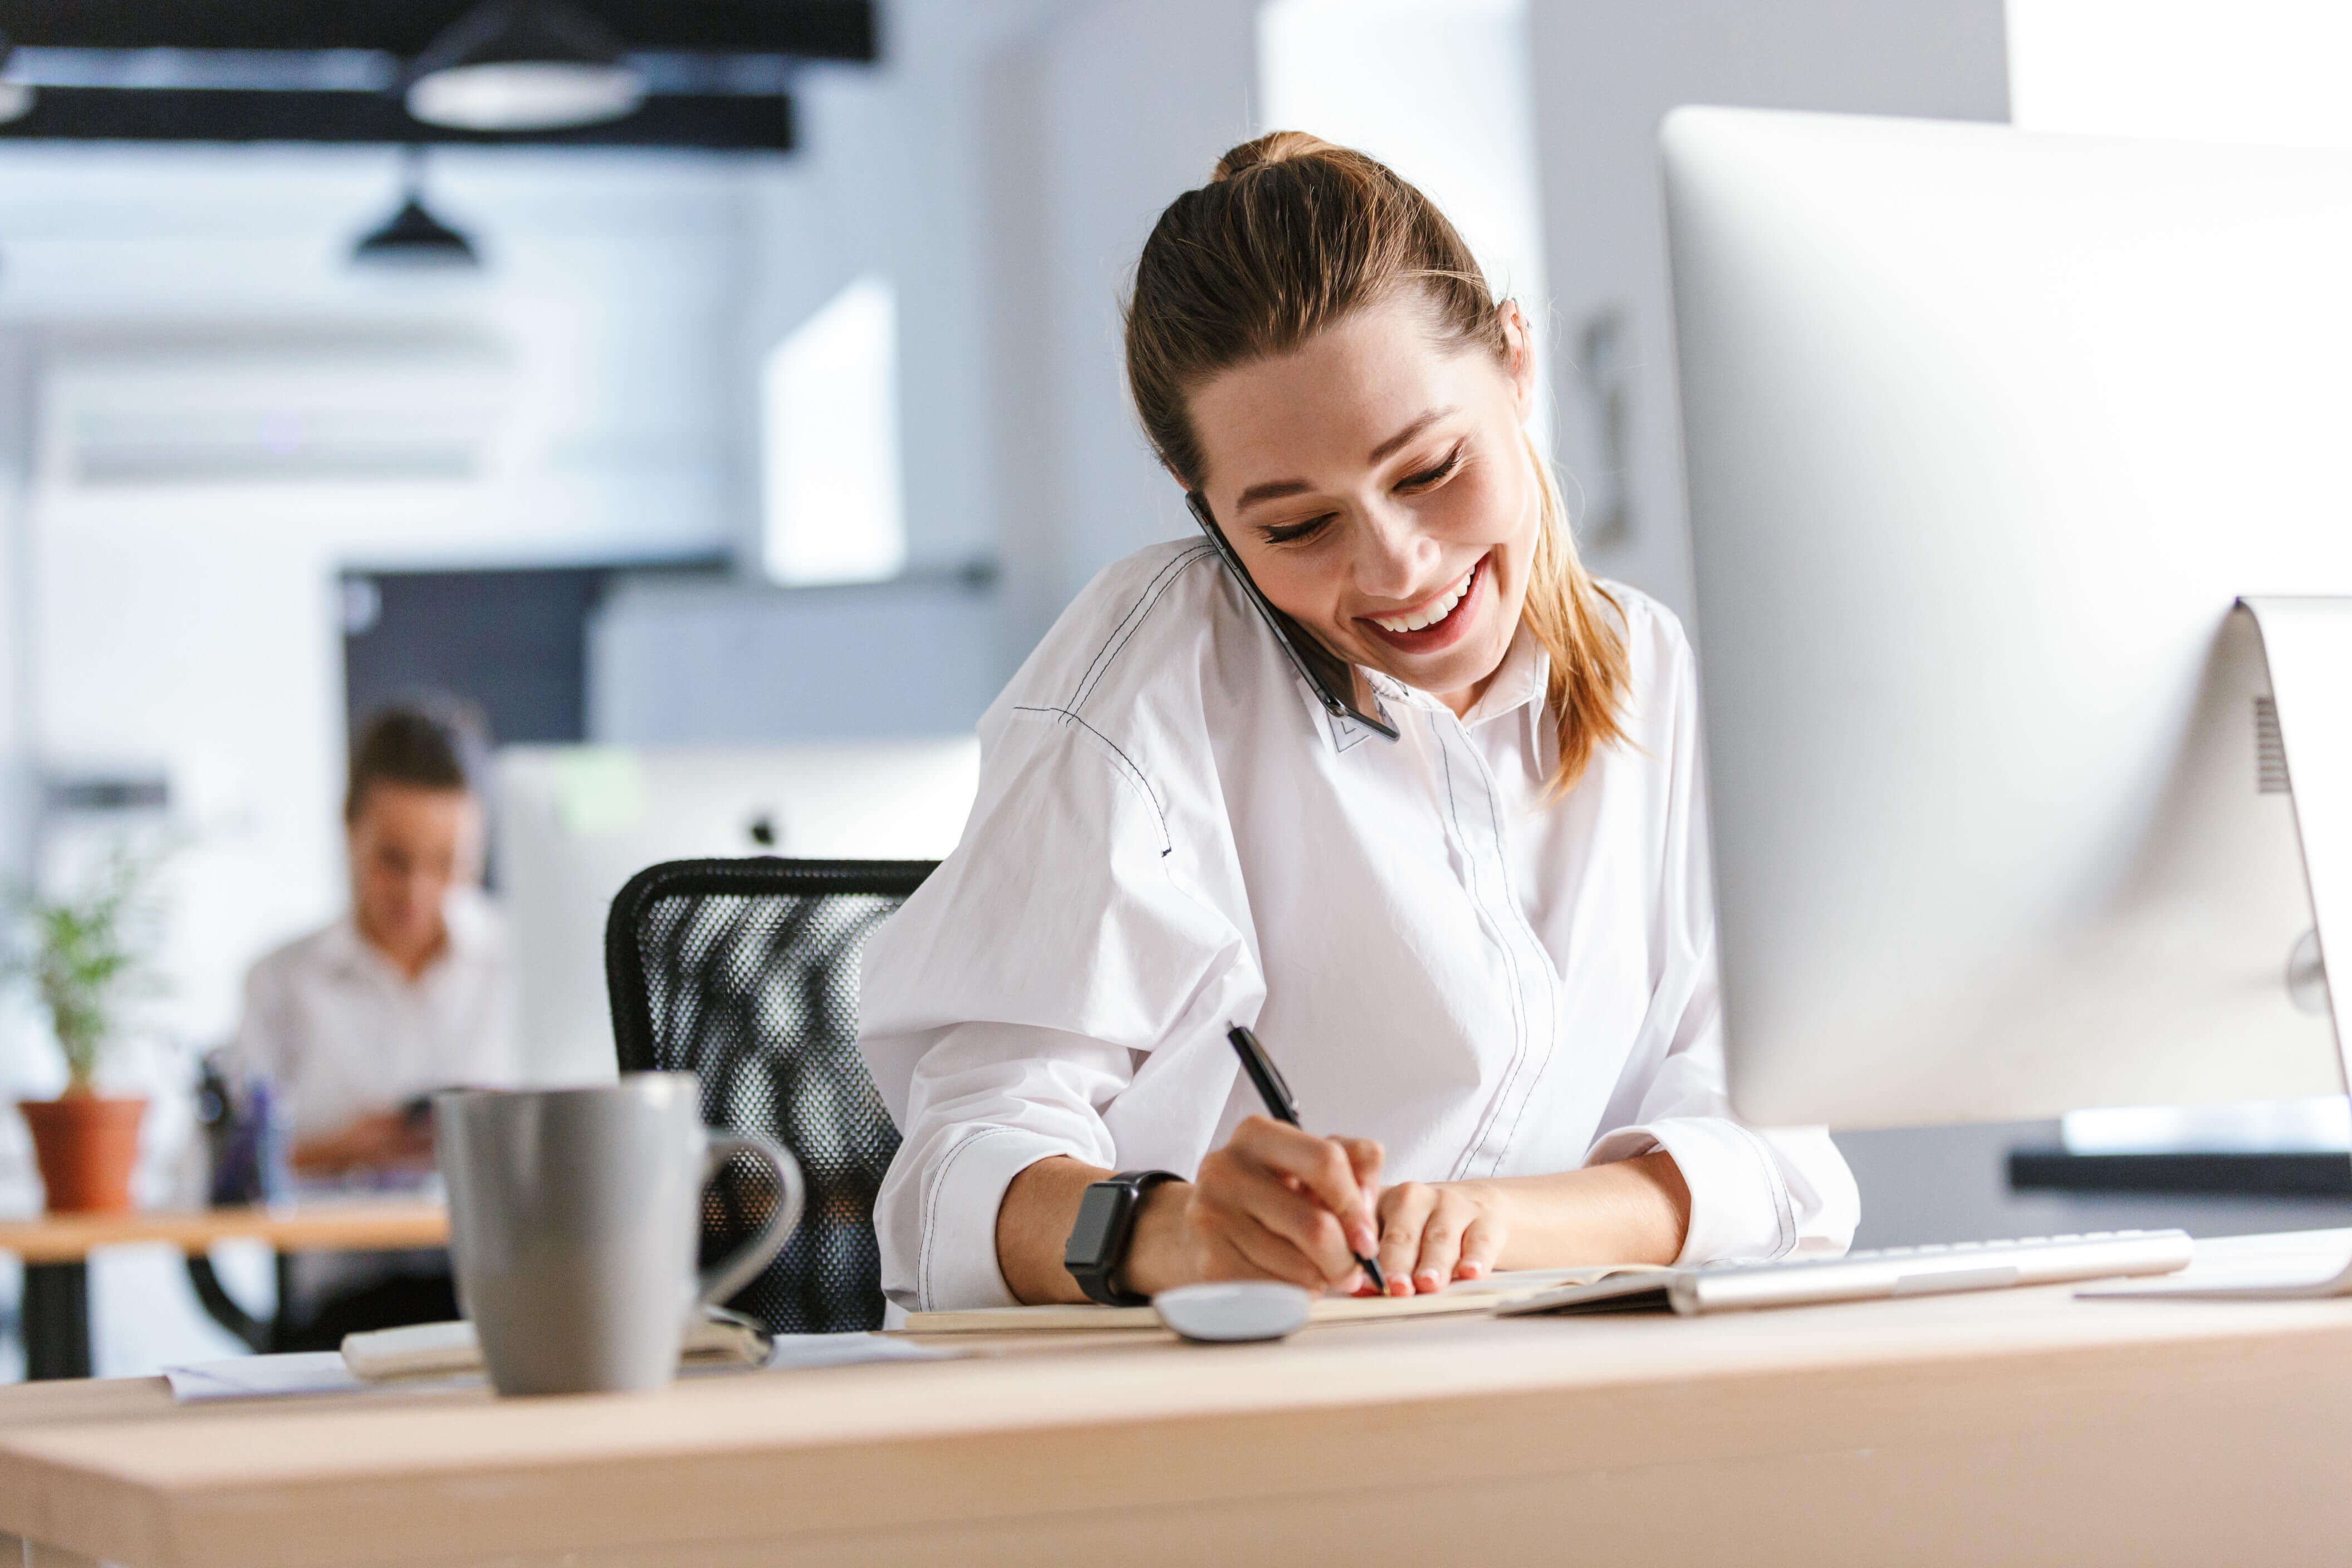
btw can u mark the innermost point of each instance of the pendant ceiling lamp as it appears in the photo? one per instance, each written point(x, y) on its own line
point(412, 237)
point(16, 96)
point(523, 65)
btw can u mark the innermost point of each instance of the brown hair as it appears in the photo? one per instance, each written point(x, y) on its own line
point(410, 746)
point(1291, 235)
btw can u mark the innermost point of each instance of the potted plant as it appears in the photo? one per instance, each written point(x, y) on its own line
point(85, 961)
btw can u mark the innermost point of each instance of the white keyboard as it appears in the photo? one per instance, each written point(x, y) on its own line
point(1862, 1276)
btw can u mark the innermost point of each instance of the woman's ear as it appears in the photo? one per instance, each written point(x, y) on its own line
point(1518, 357)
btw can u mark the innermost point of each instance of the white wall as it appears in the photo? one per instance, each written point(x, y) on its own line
point(2264, 71)
point(1002, 170)
point(891, 180)
point(1096, 122)
point(674, 661)
point(1440, 90)
point(1606, 73)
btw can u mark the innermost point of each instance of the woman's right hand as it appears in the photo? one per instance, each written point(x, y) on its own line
point(1275, 1203)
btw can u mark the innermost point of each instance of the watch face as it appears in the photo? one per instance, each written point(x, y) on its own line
point(1097, 1224)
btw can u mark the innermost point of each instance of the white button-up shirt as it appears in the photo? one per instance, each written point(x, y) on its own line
point(1171, 835)
point(340, 1033)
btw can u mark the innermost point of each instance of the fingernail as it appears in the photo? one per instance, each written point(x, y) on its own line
point(1427, 1280)
point(1362, 1238)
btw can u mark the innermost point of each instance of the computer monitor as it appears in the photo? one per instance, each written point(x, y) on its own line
point(574, 822)
point(1987, 433)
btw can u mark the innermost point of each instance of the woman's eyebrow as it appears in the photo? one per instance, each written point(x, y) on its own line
point(1274, 490)
point(1408, 433)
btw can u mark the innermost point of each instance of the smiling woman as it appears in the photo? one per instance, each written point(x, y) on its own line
point(1359, 368)
point(1481, 946)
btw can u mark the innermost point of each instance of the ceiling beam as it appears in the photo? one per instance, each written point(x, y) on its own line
point(819, 29)
point(713, 122)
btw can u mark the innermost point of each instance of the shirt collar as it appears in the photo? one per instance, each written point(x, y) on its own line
point(1520, 680)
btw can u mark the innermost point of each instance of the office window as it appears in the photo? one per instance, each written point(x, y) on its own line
point(2248, 70)
point(830, 397)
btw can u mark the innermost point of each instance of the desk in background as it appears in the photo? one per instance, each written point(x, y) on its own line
point(2010, 1427)
point(55, 1251)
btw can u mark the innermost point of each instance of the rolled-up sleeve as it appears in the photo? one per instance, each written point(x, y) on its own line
point(1020, 990)
point(1754, 1193)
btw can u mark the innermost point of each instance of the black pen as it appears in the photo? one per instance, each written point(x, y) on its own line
point(1278, 1105)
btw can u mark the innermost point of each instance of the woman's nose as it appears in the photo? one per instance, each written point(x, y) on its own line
point(1394, 558)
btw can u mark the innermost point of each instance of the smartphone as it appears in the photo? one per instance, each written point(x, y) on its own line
point(1327, 674)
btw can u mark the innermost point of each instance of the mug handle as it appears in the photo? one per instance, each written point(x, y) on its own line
point(723, 1278)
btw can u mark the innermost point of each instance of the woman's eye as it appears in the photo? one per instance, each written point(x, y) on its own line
point(1292, 532)
point(1428, 477)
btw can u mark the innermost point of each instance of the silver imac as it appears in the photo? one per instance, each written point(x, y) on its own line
point(574, 822)
point(2021, 520)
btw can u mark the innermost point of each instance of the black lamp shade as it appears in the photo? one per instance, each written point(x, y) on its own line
point(414, 237)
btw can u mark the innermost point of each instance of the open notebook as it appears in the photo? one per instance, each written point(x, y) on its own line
point(1463, 1295)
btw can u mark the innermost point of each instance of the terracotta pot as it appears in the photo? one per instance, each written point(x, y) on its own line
point(88, 1148)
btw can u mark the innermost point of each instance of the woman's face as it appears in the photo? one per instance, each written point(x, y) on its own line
point(1377, 485)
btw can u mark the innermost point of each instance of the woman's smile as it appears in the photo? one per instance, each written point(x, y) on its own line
point(1441, 621)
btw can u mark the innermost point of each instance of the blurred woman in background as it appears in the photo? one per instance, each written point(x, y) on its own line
point(412, 990)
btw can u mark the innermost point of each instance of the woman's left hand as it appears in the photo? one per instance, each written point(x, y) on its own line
point(1433, 1234)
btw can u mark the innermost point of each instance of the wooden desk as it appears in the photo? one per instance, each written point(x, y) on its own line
point(56, 1249)
point(2016, 1427)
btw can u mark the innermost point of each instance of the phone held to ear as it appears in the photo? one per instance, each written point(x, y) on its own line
point(1326, 675)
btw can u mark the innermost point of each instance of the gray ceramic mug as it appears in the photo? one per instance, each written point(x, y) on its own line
point(575, 1221)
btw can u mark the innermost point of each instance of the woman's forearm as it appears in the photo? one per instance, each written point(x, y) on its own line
point(1033, 1226)
point(1630, 1211)
point(1033, 1229)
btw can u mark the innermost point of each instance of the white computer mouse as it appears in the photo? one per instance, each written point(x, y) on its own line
point(1233, 1310)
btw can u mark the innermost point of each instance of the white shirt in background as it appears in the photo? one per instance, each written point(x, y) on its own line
point(340, 1033)
point(1172, 836)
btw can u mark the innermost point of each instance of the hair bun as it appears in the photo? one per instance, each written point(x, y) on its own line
point(1274, 147)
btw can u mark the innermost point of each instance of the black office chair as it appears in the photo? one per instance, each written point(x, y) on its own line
point(745, 972)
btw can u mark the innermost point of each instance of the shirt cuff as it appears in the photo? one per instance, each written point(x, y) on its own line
point(957, 1265)
point(1740, 1202)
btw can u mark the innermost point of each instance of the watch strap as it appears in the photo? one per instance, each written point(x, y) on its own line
point(1098, 1277)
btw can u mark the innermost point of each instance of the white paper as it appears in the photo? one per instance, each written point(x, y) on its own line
point(309, 1373)
point(797, 1352)
point(264, 1377)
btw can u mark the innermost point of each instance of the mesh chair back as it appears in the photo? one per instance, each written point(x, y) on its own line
point(746, 971)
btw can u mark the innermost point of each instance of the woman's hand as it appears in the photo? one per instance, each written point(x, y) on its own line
point(387, 1140)
point(1433, 1234)
point(1275, 1203)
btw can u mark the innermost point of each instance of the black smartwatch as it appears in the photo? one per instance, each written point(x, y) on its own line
point(1097, 1244)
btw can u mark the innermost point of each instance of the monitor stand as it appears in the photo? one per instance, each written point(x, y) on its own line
point(2307, 646)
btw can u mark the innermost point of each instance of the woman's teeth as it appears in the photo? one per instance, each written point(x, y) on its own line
point(1432, 613)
